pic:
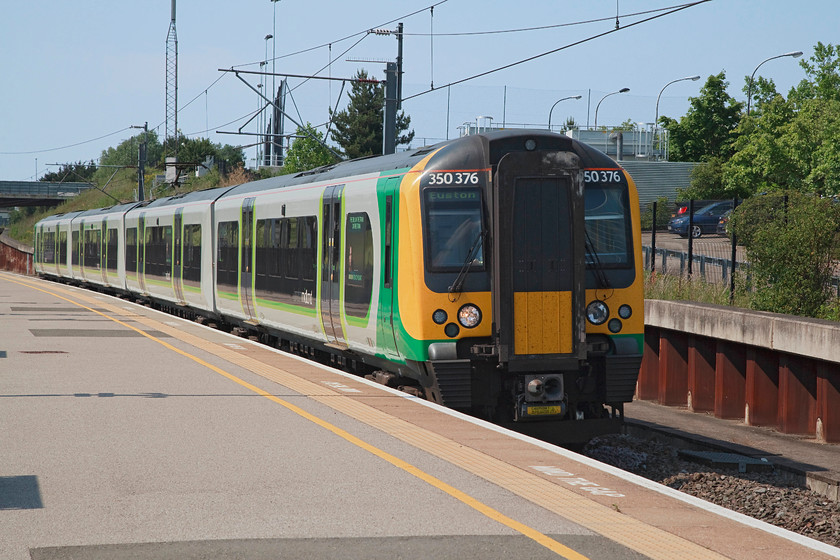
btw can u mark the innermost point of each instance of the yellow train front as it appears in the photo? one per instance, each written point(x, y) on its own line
point(520, 282)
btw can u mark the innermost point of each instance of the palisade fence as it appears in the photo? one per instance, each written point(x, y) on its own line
point(711, 256)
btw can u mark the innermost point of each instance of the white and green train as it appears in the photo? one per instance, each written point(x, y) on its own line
point(498, 273)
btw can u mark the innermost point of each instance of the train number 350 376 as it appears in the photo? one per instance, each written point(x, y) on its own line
point(601, 176)
point(454, 178)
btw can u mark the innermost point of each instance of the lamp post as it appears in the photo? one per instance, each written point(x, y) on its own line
point(555, 105)
point(794, 54)
point(622, 90)
point(656, 120)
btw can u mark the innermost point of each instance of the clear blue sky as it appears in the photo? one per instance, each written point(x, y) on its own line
point(77, 74)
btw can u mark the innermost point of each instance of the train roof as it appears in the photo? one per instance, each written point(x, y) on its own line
point(488, 147)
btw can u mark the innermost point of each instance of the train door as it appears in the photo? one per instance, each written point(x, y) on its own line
point(103, 251)
point(177, 259)
point(245, 259)
point(539, 259)
point(61, 257)
point(331, 264)
point(141, 252)
point(386, 335)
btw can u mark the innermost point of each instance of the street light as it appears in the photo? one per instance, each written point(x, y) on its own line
point(622, 90)
point(656, 120)
point(794, 54)
point(692, 78)
point(555, 104)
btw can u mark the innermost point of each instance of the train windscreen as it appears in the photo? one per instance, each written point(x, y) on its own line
point(453, 228)
point(608, 226)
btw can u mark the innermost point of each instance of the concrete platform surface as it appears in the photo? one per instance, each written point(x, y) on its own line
point(132, 434)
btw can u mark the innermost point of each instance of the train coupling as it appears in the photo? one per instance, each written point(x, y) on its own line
point(540, 396)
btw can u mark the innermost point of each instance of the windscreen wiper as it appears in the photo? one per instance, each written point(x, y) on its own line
point(598, 268)
point(456, 286)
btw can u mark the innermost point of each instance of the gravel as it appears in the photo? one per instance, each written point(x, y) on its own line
point(768, 496)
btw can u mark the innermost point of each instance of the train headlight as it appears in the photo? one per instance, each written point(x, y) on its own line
point(597, 312)
point(614, 325)
point(440, 316)
point(625, 311)
point(469, 315)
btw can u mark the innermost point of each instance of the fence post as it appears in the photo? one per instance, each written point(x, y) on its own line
point(734, 255)
point(690, 237)
point(653, 242)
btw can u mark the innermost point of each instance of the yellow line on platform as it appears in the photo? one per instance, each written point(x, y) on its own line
point(482, 508)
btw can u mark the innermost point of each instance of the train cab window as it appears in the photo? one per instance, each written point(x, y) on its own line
point(358, 265)
point(453, 226)
point(111, 249)
point(131, 249)
point(608, 225)
point(227, 271)
point(191, 246)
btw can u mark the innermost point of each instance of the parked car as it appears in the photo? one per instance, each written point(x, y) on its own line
point(706, 220)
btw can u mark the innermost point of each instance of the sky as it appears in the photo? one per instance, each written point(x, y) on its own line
point(76, 76)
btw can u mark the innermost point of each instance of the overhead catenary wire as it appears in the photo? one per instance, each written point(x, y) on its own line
point(672, 10)
point(27, 152)
point(540, 27)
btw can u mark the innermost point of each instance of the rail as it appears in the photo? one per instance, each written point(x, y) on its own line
point(764, 369)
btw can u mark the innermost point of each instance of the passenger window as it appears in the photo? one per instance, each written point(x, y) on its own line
point(358, 265)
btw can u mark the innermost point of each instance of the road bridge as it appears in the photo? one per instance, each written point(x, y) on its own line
point(38, 193)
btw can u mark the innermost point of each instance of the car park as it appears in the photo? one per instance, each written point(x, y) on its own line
point(705, 220)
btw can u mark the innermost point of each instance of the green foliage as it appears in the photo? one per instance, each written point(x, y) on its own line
point(358, 128)
point(788, 149)
point(705, 131)
point(306, 153)
point(707, 183)
point(792, 243)
point(71, 172)
point(793, 144)
point(127, 152)
point(662, 214)
point(823, 73)
point(196, 150)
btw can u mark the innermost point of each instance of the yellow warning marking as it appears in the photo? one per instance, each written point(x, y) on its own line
point(543, 322)
point(482, 508)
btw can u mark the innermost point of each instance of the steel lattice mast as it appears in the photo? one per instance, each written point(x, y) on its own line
point(172, 86)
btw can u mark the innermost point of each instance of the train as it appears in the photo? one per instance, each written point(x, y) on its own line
point(499, 273)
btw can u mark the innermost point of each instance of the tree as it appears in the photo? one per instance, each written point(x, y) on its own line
point(127, 152)
point(71, 172)
point(196, 150)
point(823, 73)
point(306, 153)
point(706, 130)
point(792, 244)
point(358, 128)
point(792, 144)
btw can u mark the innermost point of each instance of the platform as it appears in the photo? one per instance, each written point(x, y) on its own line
point(128, 433)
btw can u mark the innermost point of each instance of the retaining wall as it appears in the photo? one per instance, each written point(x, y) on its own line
point(15, 256)
point(763, 368)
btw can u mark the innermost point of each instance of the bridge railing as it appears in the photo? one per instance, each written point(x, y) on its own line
point(764, 369)
point(37, 189)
